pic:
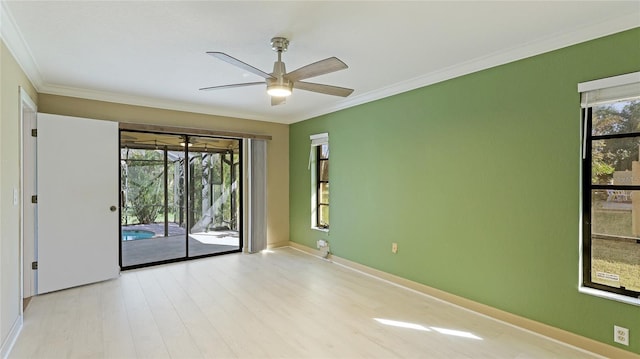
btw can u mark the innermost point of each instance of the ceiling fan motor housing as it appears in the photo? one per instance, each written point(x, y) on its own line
point(278, 85)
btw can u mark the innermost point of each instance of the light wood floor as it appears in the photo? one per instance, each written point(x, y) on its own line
point(278, 304)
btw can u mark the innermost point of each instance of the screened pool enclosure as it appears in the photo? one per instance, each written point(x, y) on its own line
point(180, 197)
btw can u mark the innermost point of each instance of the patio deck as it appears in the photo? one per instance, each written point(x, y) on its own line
point(162, 248)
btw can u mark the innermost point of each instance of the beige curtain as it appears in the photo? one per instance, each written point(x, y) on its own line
point(257, 213)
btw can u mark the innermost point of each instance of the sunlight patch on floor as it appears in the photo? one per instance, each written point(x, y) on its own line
point(457, 333)
point(395, 323)
point(453, 332)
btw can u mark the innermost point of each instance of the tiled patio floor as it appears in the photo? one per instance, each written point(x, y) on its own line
point(162, 248)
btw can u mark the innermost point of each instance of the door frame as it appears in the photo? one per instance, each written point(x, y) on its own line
point(28, 213)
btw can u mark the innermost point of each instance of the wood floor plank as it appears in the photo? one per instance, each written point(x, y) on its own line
point(275, 304)
point(204, 336)
point(174, 334)
point(118, 338)
point(144, 330)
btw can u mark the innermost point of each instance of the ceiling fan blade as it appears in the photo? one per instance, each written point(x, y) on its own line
point(325, 89)
point(235, 62)
point(231, 86)
point(321, 67)
point(275, 101)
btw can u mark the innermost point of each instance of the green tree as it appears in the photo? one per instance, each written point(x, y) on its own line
point(144, 184)
point(614, 154)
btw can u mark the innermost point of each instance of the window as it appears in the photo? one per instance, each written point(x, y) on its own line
point(319, 166)
point(322, 173)
point(611, 185)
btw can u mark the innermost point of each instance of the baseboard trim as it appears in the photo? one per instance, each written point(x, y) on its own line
point(7, 345)
point(532, 326)
point(278, 244)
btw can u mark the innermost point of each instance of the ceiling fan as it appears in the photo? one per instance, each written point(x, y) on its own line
point(279, 83)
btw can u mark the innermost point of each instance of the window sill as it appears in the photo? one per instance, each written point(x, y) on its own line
point(325, 230)
point(608, 295)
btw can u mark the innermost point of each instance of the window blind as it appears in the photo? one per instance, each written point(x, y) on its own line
point(317, 140)
point(610, 89)
point(257, 195)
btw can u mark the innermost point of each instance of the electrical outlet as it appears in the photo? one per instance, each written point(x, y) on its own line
point(621, 335)
point(394, 247)
point(321, 243)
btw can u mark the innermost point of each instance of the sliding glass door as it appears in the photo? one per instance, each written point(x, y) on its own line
point(214, 196)
point(181, 197)
point(150, 230)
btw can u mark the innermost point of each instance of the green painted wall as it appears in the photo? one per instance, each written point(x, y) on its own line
point(477, 180)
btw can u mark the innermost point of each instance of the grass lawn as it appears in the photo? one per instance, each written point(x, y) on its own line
point(621, 257)
point(615, 256)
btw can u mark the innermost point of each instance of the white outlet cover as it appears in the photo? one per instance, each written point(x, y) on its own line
point(621, 335)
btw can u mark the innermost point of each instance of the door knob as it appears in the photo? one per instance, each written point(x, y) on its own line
point(113, 208)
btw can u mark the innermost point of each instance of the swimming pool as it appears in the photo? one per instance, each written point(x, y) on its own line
point(131, 235)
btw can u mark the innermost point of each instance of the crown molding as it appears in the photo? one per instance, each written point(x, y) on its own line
point(610, 27)
point(21, 52)
point(153, 102)
point(18, 47)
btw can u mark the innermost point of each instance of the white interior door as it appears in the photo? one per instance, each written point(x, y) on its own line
point(77, 170)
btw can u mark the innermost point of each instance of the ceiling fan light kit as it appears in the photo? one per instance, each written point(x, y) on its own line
point(280, 84)
point(279, 90)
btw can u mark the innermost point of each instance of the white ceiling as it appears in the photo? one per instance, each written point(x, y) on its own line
point(152, 53)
